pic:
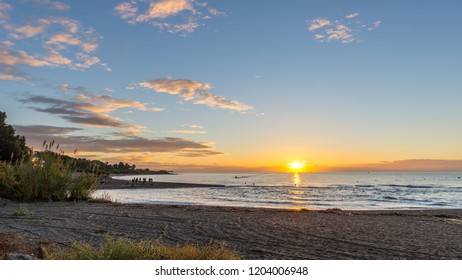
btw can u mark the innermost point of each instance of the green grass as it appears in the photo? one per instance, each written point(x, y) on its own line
point(45, 177)
point(23, 211)
point(125, 249)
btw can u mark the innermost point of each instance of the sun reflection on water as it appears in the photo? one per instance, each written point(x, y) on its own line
point(296, 194)
point(296, 179)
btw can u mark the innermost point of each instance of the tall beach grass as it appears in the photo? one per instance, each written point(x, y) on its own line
point(46, 176)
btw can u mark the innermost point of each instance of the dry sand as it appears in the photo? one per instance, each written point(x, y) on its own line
point(254, 233)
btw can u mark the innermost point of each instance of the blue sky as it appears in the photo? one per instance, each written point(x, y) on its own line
point(228, 85)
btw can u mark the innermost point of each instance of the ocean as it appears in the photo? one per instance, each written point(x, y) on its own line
point(346, 191)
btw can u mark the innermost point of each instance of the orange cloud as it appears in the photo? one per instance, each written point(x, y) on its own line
point(65, 34)
point(318, 23)
point(30, 31)
point(174, 16)
point(166, 8)
point(12, 58)
point(56, 58)
point(195, 91)
point(343, 30)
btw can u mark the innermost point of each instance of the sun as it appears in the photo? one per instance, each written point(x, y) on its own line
point(297, 165)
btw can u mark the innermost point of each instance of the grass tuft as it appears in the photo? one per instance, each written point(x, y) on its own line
point(23, 211)
point(105, 198)
point(125, 249)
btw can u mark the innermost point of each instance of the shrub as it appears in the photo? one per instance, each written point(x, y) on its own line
point(7, 179)
point(125, 249)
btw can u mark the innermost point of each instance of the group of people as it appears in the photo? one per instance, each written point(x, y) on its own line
point(141, 180)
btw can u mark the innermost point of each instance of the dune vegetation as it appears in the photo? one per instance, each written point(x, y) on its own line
point(45, 176)
point(126, 249)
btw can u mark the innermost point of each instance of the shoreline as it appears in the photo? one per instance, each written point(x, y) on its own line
point(116, 184)
point(256, 233)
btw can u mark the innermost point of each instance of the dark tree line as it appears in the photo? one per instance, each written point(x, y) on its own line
point(13, 148)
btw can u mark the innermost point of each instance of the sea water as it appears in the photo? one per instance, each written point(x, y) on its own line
point(348, 191)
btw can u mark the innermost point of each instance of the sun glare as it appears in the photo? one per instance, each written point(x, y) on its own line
point(297, 165)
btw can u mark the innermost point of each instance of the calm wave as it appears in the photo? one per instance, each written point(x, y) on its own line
point(305, 190)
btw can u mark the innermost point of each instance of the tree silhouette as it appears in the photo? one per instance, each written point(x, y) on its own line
point(12, 147)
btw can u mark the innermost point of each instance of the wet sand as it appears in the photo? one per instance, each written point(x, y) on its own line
point(254, 232)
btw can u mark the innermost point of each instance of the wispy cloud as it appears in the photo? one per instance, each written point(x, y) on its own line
point(193, 126)
point(352, 15)
point(52, 4)
point(196, 92)
point(187, 131)
point(174, 16)
point(375, 25)
point(199, 153)
point(340, 33)
point(107, 103)
point(88, 109)
point(4, 12)
point(63, 41)
point(318, 23)
point(344, 30)
point(12, 58)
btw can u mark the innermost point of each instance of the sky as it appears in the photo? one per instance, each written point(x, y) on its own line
point(208, 85)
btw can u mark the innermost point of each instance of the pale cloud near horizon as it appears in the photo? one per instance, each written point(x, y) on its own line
point(194, 91)
point(64, 43)
point(174, 16)
point(193, 126)
point(343, 30)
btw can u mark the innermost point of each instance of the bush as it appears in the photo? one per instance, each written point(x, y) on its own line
point(125, 249)
point(45, 177)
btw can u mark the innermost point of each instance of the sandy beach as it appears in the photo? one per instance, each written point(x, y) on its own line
point(255, 233)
